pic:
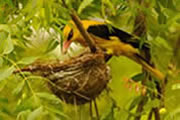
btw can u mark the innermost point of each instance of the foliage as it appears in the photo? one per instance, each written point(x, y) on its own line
point(32, 29)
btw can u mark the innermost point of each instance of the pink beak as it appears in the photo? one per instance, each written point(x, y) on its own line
point(66, 45)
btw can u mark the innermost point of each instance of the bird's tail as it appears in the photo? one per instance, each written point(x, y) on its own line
point(140, 60)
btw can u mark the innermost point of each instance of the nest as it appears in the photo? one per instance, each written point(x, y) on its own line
point(76, 81)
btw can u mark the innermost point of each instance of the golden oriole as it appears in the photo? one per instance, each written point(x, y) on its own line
point(110, 39)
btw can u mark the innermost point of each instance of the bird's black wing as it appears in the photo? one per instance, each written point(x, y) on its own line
point(105, 32)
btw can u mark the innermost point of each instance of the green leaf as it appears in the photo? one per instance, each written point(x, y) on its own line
point(168, 4)
point(5, 27)
point(83, 5)
point(162, 19)
point(47, 10)
point(35, 114)
point(135, 102)
point(178, 20)
point(9, 45)
point(1, 61)
point(162, 60)
point(3, 84)
point(111, 113)
point(174, 114)
point(23, 115)
point(57, 111)
point(3, 100)
point(110, 5)
point(48, 97)
point(61, 34)
point(52, 45)
point(3, 38)
point(6, 72)
point(6, 44)
point(138, 77)
point(27, 60)
point(157, 7)
point(176, 86)
point(152, 104)
point(9, 2)
point(19, 88)
point(28, 103)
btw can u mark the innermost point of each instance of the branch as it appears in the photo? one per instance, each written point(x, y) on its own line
point(81, 29)
point(141, 30)
point(83, 32)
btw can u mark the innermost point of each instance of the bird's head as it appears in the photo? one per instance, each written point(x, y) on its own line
point(72, 34)
point(69, 36)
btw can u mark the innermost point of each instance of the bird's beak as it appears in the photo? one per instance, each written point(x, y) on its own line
point(66, 45)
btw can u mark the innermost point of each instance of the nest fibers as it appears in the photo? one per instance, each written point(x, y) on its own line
point(76, 81)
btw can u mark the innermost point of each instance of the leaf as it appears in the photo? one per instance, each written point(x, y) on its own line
point(162, 60)
point(1, 61)
point(23, 115)
point(32, 8)
point(173, 115)
point(3, 84)
point(9, 46)
point(35, 114)
point(3, 100)
point(162, 19)
point(48, 97)
point(135, 102)
point(61, 34)
point(9, 2)
point(5, 27)
point(47, 10)
point(52, 45)
point(168, 4)
point(178, 20)
point(152, 104)
point(27, 60)
point(57, 111)
point(138, 77)
point(83, 5)
point(176, 86)
point(28, 103)
point(6, 72)
point(111, 113)
point(19, 88)
point(3, 38)
point(110, 5)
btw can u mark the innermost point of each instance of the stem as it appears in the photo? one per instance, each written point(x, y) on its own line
point(96, 109)
point(140, 109)
point(140, 30)
point(90, 110)
point(156, 113)
point(150, 115)
point(143, 101)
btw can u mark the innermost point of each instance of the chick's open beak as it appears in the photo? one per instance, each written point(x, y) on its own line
point(66, 45)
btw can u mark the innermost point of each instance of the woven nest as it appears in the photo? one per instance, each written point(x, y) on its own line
point(76, 81)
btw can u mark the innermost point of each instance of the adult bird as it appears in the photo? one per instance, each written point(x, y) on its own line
point(111, 40)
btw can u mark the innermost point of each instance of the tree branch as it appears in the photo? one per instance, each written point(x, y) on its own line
point(81, 29)
point(84, 33)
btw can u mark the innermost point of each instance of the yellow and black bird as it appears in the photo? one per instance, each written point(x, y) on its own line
point(110, 39)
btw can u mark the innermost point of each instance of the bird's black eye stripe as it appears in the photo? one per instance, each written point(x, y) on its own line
point(70, 35)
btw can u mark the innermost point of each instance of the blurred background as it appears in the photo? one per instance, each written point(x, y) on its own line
point(32, 29)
